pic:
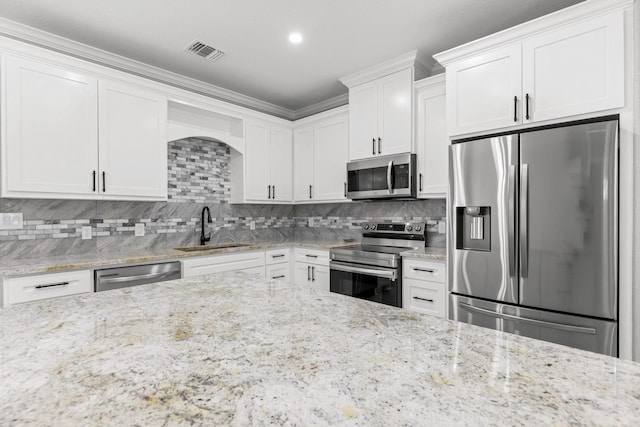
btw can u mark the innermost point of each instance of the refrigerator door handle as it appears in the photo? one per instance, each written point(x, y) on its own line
point(543, 323)
point(512, 220)
point(524, 221)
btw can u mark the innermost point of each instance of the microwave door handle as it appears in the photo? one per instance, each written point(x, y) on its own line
point(389, 180)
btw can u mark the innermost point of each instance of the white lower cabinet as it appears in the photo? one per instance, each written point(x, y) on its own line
point(250, 262)
point(277, 264)
point(18, 290)
point(312, 268)
point(424, 287)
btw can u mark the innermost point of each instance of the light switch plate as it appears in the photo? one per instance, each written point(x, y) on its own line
point(252, 225)
point(310, 222)
point(442, 227)
point(139, 229)
point(86, 232)
point(11, 221)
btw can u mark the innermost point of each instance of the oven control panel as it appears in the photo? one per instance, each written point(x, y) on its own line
point(394, 227)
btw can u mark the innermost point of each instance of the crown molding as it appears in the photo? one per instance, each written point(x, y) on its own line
point(402, 62)
point(23, 33)
point(572, 14)
point(336, 101)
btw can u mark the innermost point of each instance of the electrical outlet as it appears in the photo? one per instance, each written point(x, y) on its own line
point(139, 231)
point(86, 232)
point(252, 225)
point(310, 222)
point(442, 227)
point(11, 221)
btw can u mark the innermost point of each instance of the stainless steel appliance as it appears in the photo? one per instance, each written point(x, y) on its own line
point(123, 277)
point(373, 269)
point(382, 177)
point(534, 235)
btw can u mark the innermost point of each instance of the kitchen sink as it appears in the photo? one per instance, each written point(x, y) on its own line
point(211, 247)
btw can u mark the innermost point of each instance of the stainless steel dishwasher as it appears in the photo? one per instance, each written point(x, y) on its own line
point(123, 277)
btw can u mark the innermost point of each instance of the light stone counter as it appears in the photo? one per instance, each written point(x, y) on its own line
point(428, 254)
point(238, 350)
point(62, 263)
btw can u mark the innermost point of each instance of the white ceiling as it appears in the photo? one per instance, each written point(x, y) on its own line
point(340, 36)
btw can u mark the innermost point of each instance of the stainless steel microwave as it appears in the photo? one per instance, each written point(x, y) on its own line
point(383, 177)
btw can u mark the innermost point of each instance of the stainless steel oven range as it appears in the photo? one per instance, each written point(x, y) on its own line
point(373, 269)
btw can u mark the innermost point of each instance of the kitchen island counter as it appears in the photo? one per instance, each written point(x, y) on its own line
point(237, 349)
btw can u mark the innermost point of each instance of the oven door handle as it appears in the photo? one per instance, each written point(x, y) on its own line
point(386, 274)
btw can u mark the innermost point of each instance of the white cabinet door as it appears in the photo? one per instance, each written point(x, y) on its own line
point(303, 157)
point(33, 288)
point(432, 142)
point(133, 147)
point(395, 98)
point(51, 146)
point(363, 120)
point(257, 161)
point(280, 164)
point(302, 273)
point(331, 157)
point(278, 272)
point(320, 277)
point(484, 92)
point(577, 69)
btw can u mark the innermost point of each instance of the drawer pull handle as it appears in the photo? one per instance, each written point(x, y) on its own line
point(425, 270)
point(278, 277)
point(311, 256)
point(423, 299)
point(51, 285)
point(277, 256)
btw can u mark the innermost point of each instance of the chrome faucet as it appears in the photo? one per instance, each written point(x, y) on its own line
point(204, 239)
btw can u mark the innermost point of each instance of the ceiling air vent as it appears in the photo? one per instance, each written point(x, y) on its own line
point(206, 51)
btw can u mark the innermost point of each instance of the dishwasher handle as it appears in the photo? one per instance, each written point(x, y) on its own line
point(138, 277)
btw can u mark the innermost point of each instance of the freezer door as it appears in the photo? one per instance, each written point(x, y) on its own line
point(568, 219)
point(482, 212)
point(600, 336)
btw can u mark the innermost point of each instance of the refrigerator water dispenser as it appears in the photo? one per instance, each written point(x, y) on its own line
point(473, 228)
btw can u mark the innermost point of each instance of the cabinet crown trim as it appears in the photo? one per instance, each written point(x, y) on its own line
point(579, 12)
point(422, 63)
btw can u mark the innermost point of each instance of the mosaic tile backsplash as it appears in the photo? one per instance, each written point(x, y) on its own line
point(198, 177)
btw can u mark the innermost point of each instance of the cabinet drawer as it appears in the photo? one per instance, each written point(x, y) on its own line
point(424, 297)
point(221, 263)
point(277, 256)
point(278, 272)
point(312, 256)
point(424, 270)
point(32, 288)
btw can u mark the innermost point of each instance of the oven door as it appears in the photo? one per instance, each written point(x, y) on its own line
point(372, 283)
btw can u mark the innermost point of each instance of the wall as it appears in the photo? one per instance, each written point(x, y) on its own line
point(198, 175)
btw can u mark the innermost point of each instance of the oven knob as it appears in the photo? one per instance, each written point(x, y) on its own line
point(373, 226)
point(409, 228)
point(418, 228)
point(366, 226)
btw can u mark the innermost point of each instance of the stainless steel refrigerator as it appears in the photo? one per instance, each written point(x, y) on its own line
point(534, 233)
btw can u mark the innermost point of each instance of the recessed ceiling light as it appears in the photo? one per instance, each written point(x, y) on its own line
point(295, 38)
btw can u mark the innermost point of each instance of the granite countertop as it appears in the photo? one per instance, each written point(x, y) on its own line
point(235, 349)
point(61, 263)
point(428, 254)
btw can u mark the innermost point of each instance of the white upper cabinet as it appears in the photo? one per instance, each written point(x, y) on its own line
point(565, 64)
point(380, 116)
point(268, 163)
point(432, 142)
point(574, 70)
point(69, 135)
point(381, 106)
point(484, 90)
point(303, 158)
point(321, 153)
point(51, 128)
point(133, 147)
point(280, 165)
